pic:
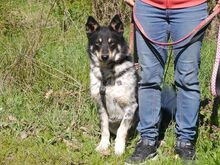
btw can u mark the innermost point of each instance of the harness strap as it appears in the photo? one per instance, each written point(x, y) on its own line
point(102, 91)
point(107, 82)
point(215, 80)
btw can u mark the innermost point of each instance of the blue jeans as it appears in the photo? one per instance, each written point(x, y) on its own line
point(160, 24)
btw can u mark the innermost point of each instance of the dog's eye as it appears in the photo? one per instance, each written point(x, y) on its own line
point(112, 44)
point(98, 43)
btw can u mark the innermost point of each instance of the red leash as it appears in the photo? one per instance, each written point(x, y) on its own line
point(131, 39)
point(215, 85)
point(192, 33)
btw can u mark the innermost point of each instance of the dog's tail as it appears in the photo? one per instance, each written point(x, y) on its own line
point(168, 109)
point(168, 100)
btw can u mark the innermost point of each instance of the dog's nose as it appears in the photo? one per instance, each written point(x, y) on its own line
point(105, 57)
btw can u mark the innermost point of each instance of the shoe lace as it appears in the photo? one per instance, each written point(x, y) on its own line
point(188, 151)
point(137, 150)
point(140, 148)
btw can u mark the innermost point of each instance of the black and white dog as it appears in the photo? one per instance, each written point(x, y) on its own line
point(113, 84)
point(113, 81)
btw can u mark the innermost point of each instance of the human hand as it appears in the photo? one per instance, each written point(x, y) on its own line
point(130, 2)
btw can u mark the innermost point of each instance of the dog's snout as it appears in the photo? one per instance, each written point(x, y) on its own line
point(105, 57)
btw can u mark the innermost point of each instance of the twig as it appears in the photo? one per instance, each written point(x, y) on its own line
point(57, 76)
point(59, 71)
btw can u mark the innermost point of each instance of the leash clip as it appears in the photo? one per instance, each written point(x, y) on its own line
point(102, 90)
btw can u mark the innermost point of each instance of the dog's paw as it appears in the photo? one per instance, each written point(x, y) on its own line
point(119, 147)
point(103, 147)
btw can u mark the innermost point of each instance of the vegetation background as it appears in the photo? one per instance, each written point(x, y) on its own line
point(46, 114)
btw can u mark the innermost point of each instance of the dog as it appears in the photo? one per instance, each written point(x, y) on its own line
point(113, 82)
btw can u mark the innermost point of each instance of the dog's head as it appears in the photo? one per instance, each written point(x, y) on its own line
point(106, 43)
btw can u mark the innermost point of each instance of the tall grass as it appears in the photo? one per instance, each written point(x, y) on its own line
point(46, 114)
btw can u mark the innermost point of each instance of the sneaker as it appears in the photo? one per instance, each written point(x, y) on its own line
point(144, 150)
point(186, 150)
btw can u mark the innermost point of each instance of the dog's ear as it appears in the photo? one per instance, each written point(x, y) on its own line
point(116, 24)
point(91, 25)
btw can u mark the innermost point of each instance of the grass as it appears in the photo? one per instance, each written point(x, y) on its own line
point(46, 113)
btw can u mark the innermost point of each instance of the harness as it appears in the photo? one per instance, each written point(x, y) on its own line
point(110, 81)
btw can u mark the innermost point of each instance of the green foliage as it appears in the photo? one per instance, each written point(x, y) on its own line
point(46, 113)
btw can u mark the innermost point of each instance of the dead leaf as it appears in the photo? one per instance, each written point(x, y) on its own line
point(176, 157)
point(162, 143)
point(105, 152)
point(85, 130)
point(23, 135)
point(68, 143)
point(12, 118)
point(4, 125)
point(48, 94)
point(72, 126)
point(71, 144)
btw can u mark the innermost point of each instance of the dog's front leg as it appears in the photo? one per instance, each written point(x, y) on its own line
point(123, 128)
point(105, 134)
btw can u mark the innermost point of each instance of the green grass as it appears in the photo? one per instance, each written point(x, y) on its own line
point(46, 113)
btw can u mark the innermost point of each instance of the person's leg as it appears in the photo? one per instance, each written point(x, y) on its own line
point(155, 25)
point(187, 62)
